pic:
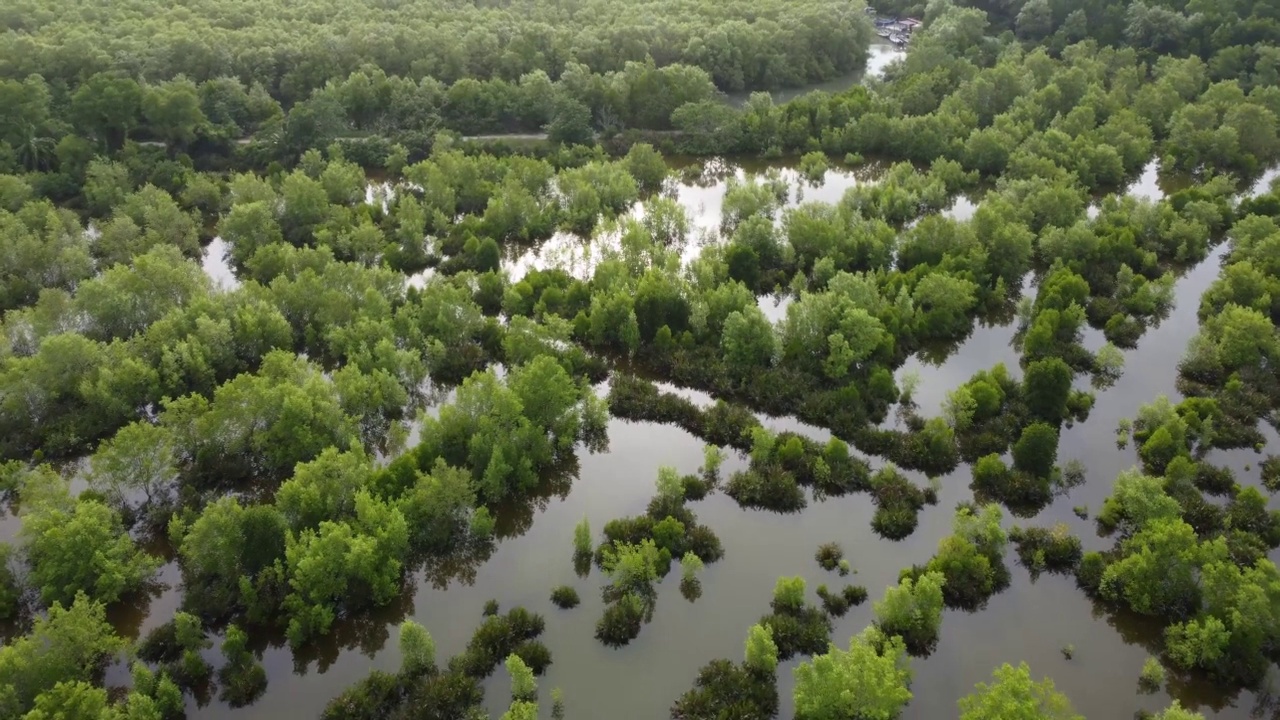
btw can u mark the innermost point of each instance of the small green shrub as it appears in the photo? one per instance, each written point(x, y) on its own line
point(829, 556)
point(836, 605)
point(813, 166)
point(1153, 675)
point(769, 488)
point(806, 632)
point(1089, 572)
point(1054, 549)
point(898, 503)
point(621, 621)
point(855, 595)
point(565, 597)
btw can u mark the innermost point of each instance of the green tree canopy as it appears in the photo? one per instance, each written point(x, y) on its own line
point(1015, 696)
point(868, 682)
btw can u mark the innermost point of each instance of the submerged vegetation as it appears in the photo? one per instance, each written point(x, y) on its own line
point(396, 368)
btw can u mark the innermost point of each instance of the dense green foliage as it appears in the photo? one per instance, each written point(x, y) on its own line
point(72, 644)
point(870, 681)
point(1015, 696)
point(322, 42)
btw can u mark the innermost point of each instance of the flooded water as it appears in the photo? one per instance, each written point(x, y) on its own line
point(217, 265)
point(702, 201)
point(962, 209)
point(1031, 620)
point(879, 56)
point(1265, 181)
point(9, 525)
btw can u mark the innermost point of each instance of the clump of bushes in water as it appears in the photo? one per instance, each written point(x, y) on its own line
point(242, 678)
point(1152, 677)
point(638, 550)
point(837, 604)
point(1193, 565)
point(622, 620)
point(1034, 478)
point(781, 463)
point(633, 569)
point(829, 556)
point(422, 688)
point(1089, 572)
point(1054, 549)
point(479, 255)
point(987, 413)
point(565, 597)
point(770, 488)
point(501, 635)
point(667, 522)
point(898, 503)
point(175, 647)
point(1036, 452)
point(796, 627)
point(813, 166)
point(697, 487)
point(690, 585)
point(167, 697)
point(928, 446)
point(970, 559)
point(993, 480)
point(912, 610)
point(746, 690)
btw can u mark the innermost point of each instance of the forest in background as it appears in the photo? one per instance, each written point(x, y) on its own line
point(245, 428)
